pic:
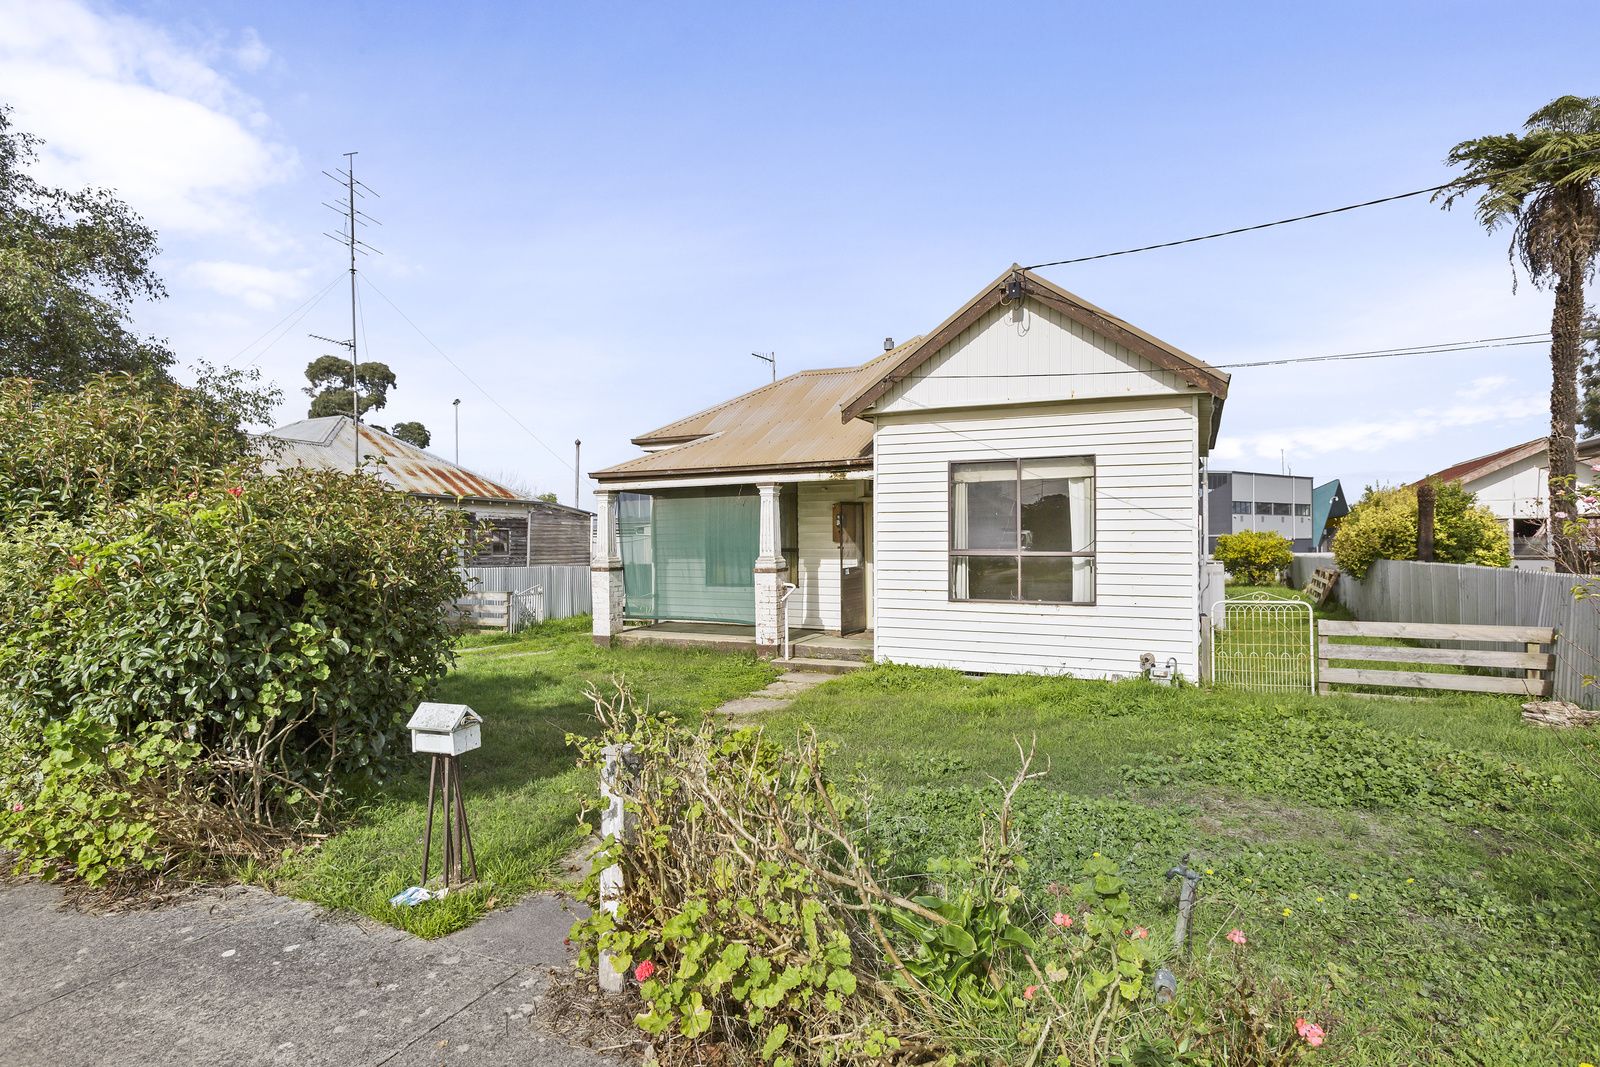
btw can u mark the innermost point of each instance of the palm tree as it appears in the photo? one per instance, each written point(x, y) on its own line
point(1545, 184)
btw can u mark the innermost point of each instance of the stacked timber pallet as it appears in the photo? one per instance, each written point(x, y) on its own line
point(1320, 587)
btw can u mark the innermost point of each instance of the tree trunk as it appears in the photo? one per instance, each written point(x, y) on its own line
point(1566, 340)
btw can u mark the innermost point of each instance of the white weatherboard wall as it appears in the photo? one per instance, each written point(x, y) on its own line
point(1001, 359)
point(1520, 490)
point(815, 601)
point(1147, 528)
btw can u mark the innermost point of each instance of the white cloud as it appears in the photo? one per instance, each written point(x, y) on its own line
point(123, 104)
point(257, 286)
point(1479, 388)
point(252, 53)
point(1377, 434)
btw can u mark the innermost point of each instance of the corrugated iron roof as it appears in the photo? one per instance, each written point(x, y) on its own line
point(791, 424)
point(329, 444)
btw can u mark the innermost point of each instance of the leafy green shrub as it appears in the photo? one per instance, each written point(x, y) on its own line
point(98, 801)
point(285, 626)
point(1254, 557)
point(1383, 525)
point(67, 454)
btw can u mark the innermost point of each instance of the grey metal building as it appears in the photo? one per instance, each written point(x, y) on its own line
point(1242, 500)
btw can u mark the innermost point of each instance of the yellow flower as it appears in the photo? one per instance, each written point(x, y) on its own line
point(1355, 896)
point(1411, 880)
point(1210, 871)
point(1097, 855)
point(1287, 912)
point(1319, 900)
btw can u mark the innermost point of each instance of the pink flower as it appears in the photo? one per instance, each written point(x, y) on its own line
point(643, 971)
point(236, 491)
point(17, 806)
point(1139, 933)
point(1237, 937)
point(1062, 919)
point(1309, 1032)
point(1027, 994)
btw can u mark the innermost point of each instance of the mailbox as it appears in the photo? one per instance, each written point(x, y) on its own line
point(444, 729)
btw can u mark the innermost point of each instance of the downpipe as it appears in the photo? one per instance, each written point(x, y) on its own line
point(783, 606)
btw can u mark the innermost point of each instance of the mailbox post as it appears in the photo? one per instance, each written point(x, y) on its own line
point(445, 731)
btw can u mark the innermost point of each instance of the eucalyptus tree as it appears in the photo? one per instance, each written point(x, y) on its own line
point(1544, 184)
point(73, 262)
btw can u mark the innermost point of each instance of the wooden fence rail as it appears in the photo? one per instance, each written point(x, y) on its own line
point(1535, 663)
point(1447, 593)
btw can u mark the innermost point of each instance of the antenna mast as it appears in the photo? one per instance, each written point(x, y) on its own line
point(350, 237)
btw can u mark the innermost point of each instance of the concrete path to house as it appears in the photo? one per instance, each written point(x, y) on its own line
point(240, 976)
point(777, 695)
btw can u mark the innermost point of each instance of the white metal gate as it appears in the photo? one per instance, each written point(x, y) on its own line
point(1263, 643)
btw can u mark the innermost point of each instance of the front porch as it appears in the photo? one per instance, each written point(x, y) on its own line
point(806, 645)
point(731, 565)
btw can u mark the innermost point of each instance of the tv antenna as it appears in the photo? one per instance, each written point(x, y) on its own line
point(769, 357)
point(351, 219)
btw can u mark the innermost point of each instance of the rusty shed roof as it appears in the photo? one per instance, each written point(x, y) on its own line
point(792, 424)
point(329, 443)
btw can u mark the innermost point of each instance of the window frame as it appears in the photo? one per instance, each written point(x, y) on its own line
point(1018, 553)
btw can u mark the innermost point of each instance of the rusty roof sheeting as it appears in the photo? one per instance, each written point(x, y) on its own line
point(791, 424)
point(1588, 451)
point(329, 444)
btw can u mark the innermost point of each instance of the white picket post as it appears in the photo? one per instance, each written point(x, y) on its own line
point(614, 772)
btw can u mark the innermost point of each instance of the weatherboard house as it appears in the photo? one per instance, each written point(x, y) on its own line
point(1016, 491)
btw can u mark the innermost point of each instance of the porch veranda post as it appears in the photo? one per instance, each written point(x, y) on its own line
point(688, 565)
point(771, 572)
point(605, 569)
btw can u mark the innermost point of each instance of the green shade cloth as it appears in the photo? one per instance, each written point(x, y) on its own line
point(689, 555)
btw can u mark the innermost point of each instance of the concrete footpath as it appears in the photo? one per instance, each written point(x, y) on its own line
point(240, 976)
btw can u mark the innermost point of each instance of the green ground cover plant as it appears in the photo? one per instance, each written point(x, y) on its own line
point(1408, 866)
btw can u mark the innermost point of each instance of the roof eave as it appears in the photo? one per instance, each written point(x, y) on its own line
point(614, 475)
point(1197, 372)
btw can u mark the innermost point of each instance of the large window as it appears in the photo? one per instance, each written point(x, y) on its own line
point(1023, 530)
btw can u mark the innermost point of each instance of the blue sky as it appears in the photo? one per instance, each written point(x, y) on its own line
point(598, 211)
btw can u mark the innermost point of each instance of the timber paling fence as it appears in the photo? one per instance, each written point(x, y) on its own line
point(1456, 594)
point(566, 586)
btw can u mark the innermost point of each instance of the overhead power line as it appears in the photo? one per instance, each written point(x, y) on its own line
point(1439, 349)
point(302, 310)
point(462, 371)
point(1297, 218)
point(1512, 341)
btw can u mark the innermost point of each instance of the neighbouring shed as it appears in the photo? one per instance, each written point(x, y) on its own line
point(517, 532)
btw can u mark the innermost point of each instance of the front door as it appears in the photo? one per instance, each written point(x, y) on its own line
point(849, 530)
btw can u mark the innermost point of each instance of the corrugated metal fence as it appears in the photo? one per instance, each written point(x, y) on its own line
point(1404, 591)
point(566, 587)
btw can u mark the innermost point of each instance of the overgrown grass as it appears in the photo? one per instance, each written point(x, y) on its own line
point(522, 791)
point(1404, 866)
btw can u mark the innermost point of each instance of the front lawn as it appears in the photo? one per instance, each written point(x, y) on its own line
point(1406, 867)
point(521, 789)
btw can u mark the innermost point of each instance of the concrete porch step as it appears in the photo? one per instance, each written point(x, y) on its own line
point(819, 646)
point(820, 666)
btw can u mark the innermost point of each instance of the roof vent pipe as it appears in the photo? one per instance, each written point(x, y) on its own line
point(888, 344)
